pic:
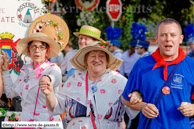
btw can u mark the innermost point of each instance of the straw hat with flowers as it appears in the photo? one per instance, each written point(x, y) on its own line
point(53, 26)
point(22, 45)
point(89, 31)
point(78, 59)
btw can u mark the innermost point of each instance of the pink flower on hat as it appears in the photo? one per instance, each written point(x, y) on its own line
point(100, 46)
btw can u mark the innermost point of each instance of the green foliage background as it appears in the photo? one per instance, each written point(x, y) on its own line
point(141, 11)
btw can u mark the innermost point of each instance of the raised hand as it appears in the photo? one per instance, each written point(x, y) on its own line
point(6, 59)
point(1, 61)
point(45, 85)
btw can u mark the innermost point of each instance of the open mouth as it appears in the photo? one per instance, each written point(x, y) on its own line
point(36, 56)
point(168, 47)
point(96, 64)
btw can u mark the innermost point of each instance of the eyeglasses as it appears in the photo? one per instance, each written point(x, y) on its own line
point(41, 48)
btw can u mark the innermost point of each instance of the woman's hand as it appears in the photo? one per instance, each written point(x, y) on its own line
point(5, 58)
point(187, 109)
point(135, 97)
point(1, 61)
point(45, 85)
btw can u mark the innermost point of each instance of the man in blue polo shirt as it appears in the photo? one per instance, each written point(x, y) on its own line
point(150, 73)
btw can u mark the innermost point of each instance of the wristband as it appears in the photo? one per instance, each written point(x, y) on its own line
point(142, 106)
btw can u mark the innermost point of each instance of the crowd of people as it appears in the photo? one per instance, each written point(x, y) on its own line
point(95, 88)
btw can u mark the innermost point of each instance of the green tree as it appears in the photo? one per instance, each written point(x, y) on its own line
point(147, 12)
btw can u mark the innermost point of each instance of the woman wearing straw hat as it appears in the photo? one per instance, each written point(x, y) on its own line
point(88, 34)
point(92, 96)
point(39, 47)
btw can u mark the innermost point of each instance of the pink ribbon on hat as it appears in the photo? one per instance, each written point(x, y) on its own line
point(100, 46)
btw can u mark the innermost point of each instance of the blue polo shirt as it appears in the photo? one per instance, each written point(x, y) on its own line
point(150, 82)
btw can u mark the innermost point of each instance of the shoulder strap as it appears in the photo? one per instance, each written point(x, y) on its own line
point(166, 83)
point(159, 96)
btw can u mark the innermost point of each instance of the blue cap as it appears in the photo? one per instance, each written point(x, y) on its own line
point(133, 43)
point(189, 34)
point(190, 41)
point(144, 44)
point(115, 43)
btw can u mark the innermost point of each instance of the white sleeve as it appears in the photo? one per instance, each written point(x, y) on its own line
point(8, 85)
point(121, 69)
point(131, 113)
point(60, 106)
point(56, 76)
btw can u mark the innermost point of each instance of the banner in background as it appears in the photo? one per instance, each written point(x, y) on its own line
point(16, 17)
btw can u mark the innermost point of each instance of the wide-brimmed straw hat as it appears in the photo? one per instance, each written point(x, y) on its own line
point(89, 31)
point(52, 25)
point(78, 59)
point(22, 45)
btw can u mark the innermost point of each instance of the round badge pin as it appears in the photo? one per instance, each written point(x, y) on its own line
point(166, 90)
point(94, 89)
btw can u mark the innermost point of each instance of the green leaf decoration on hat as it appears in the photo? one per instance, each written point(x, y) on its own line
point(60, 35)
point(104, 44)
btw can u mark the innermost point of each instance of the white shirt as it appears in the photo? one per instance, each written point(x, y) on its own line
point(26, 86)
point(128, 62)
point(66, 64)
point(57, 59)
point(117, 53)
point(145, 54)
